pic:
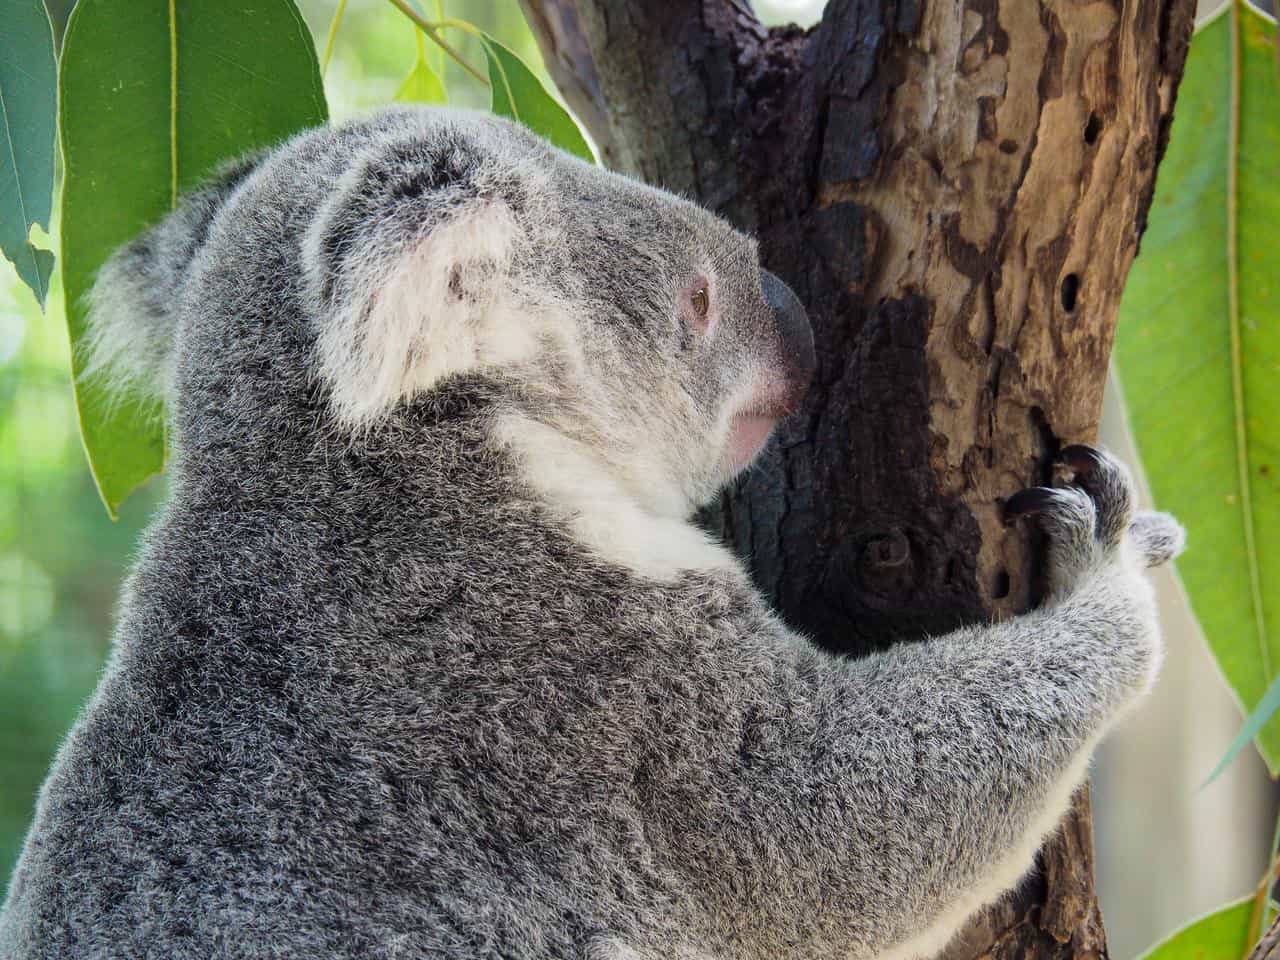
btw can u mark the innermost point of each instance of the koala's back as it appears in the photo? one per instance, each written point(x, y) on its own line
point(345, 716)
point(446, 761)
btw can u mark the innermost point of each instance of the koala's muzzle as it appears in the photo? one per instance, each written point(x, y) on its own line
point(794, 341)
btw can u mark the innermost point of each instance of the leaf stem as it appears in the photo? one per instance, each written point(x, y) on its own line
point(332, 36)
point(431, 29)
point(420, 45)
point(173, 105)
point(439, 65)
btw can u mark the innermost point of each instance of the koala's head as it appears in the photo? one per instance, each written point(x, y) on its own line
point(626, 319)
point(420, 245)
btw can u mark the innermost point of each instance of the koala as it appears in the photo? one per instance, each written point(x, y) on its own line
point(424, 658)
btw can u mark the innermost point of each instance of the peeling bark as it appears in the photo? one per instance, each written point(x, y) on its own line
point(956, 191)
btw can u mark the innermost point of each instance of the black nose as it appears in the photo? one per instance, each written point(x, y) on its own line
point(795, 336)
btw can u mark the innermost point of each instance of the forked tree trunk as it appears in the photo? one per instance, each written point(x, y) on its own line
point(956, 190)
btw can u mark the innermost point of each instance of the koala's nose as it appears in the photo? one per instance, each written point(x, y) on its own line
point(795, 338)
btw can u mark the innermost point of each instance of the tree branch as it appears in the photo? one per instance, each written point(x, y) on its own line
point(1268, 948)
point(559, 31)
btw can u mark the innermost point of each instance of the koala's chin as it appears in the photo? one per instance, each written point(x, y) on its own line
point(748, 433)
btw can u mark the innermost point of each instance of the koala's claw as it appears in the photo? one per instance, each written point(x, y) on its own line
point(1080, 458)
point(1030, 502)
point(1108, 484)
point(1087, 518)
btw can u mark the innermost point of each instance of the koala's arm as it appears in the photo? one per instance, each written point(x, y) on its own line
point(872, 805)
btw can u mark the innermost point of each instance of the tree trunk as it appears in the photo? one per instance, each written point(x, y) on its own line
point(956, 191)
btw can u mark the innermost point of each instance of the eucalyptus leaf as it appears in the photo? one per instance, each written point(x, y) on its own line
point(28, 132)
point(1253, 725)
point(422, 85)
point(142, 119)
point(517, 93)
point(1223, 934)
point(1198, 348)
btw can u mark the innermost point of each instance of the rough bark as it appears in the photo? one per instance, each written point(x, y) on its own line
point(956, 190)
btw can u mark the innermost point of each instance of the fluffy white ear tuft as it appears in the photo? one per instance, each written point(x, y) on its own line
point(444, 304)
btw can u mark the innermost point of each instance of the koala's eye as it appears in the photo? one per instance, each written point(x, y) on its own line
point(701, 302)
point(696, 313)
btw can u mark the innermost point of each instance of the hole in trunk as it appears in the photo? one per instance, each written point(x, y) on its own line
point(1000, 589)
point(1070, 288)
point(1092, 129)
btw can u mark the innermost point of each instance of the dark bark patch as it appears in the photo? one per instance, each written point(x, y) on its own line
point(852, 145)
point(987, 107)
point(908, 21)
point(856, 565)
point(841, 237)
point(965, 256)
point(1050, 84)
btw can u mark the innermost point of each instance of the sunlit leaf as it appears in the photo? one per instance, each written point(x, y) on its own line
point(143, 119)
point(28, 111)
point(422, 85)
point(1221, 935)
point(518, 94)
point(1198, 347)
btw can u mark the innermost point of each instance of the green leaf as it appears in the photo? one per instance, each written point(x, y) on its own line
point(1198, 348)
point(1253, 725)
point(28, 114)
point(518, 94)
point(1221, 935)
point(422, 85)
point(154, 95)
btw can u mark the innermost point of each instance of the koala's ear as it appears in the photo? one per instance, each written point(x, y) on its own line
point(408, 270)
point(131, 341)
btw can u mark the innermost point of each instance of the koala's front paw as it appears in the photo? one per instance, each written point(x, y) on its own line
point(1089, 519)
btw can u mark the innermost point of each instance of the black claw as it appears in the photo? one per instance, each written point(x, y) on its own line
point(1029, 502)
point(1081, 458)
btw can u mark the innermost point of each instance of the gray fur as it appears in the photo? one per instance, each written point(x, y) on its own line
point(376, 694)
point(1160, 538)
